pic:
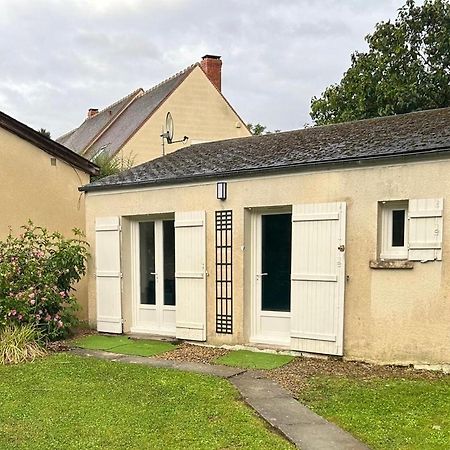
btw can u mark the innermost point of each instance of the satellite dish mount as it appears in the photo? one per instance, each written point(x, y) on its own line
point(167, 135)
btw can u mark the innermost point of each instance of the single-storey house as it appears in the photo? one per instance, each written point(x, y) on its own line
point(39, 180)
point(131, 128)
point(332, 240)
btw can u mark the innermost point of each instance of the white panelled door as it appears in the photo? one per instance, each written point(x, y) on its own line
point(190, 275)
point(318, 277)
point(108, 275)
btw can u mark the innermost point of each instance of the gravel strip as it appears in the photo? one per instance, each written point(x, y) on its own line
point(296, 375)
point(193, 353)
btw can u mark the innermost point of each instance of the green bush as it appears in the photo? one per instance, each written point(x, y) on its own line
point(38, 270)
point(19, 343)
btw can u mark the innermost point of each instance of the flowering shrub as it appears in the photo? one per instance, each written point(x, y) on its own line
point(37, 272)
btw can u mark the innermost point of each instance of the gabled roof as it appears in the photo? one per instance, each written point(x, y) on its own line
point(82, 137)
point(418, 133)
point(136, 114)
point(112, 127)
point(48, 145)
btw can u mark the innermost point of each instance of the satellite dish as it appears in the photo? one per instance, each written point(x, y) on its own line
point(169, 128)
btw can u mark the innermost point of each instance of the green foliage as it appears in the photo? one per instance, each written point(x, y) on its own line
point(253, 360)
point(407, 68)
point(124, 345)
point(38, 271)
point(385, 413)
point(45, 132)
point(19, 343)
point(259, 129)
point(111, 166)
point(67, 402)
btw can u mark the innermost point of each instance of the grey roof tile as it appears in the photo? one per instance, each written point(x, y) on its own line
point(80, 138)
point(135, 115)
point(372, 138)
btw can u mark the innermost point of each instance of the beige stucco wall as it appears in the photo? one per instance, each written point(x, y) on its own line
point(390, 315)
point(31, 188)
point(198, 111)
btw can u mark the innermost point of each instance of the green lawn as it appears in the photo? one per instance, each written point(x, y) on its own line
point(123, 345)
point(386, 413)
point(69, 402)
point(253, 360)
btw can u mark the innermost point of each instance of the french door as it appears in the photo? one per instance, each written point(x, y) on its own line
point(155, 297)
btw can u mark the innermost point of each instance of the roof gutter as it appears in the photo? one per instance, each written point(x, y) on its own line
point(262, 170)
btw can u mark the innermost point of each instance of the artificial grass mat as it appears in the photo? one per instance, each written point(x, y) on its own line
point(123, 345)
point(247, 359)
point(68, 402)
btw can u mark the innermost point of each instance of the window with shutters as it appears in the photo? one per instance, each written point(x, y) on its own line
point(411, 229)
point(394, 230)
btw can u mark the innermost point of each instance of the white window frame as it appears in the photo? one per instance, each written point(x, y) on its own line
point(387, 250)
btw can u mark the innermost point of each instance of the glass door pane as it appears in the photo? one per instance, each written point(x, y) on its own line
point(147, 262)
point(169, 262)
point(276, 262)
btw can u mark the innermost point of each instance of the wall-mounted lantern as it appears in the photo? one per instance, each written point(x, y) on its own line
point(221, 190)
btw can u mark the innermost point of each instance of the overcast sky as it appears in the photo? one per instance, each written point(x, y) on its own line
point(60, 57)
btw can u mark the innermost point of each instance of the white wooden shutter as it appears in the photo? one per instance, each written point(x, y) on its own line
point(318, 277)
point(108, 275)
point(425, 229)
point(190, 275)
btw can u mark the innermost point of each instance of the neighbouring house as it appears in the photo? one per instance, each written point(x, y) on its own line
point(39, 181)
point(331, 240)
point(131, 128)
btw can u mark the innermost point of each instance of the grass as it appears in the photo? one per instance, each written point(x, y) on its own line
point(70, 402)
point(123, 345)
point(386, 413)
point(253, 360)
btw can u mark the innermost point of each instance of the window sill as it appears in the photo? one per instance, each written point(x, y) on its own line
point(391, 264)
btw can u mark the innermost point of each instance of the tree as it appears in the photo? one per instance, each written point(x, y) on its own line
point(256, 129)
point(45, 132)
point(259, 129)
point(407, 68)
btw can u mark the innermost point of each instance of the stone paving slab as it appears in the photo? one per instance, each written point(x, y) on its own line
point(300, 425)
point(216, 370)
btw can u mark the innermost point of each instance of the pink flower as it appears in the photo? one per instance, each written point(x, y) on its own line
point(48, 317)
point(38, 317)
point(32, 295)
point(60, 324)
point(62, 294)
point(32, 301)
point(13, 312)
point(20, 317)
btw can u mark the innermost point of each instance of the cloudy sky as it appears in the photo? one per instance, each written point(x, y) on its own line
point(60, 57)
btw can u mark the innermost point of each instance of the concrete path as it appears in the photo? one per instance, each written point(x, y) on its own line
point(300, 425)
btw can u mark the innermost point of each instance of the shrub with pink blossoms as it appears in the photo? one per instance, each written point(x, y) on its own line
point(38, 270)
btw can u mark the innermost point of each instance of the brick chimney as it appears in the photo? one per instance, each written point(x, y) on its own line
point(92, 112)
point(212, 66)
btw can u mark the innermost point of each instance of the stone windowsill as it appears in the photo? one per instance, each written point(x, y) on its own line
point(391, 264)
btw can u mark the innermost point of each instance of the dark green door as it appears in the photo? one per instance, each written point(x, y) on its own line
point(276, 262)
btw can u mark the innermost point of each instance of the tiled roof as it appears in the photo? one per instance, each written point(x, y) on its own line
point(80, 138)
point(419, 132)
point(46, 144)
point(135, 115)
point(128, 115)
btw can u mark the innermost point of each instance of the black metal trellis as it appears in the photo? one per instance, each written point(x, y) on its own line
point(224, 283)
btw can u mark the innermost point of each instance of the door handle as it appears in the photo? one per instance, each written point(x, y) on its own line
point(153, 273)
point(262, 274)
